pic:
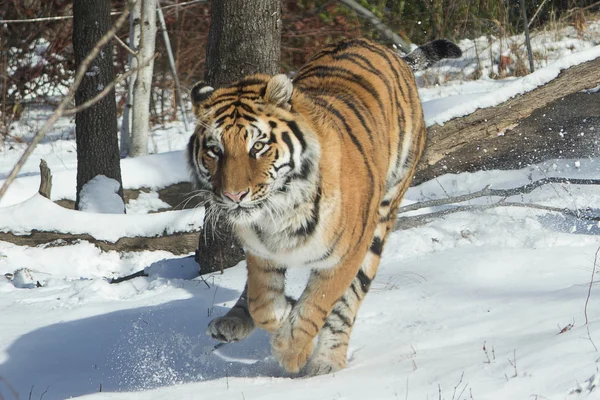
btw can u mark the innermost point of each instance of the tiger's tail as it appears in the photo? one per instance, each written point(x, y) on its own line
point(425, 56)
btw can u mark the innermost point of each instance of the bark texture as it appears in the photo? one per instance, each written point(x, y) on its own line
point(144, 13)
point(244, 38)
point(96, 127)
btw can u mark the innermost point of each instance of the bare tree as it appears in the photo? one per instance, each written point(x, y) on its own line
point(96, 126)
point(136, 114)
point(244, 38)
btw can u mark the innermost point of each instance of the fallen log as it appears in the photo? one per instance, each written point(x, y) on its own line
point(176, 243)
point(478, 140)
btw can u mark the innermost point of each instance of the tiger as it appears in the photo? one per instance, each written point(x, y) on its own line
point(309, 173)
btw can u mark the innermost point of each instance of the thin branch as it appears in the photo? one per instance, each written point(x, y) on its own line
point(487, 191)
point(417, 220)
point(382, 28)
point(536, 12)
point(107, 89)
point(125, 46)
point(64, 17)
point(10, 387)
point(590, 288)
point(129, 277)
point(63, 104)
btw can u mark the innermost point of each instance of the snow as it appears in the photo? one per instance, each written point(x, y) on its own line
point(439, 111)
point(32, 214)
point(478, 305)
point(101, 195)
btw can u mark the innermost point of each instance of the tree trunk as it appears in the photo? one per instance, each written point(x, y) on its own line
point(96, 127)
point(126, 121)
point(142, 88)
point(244, 38)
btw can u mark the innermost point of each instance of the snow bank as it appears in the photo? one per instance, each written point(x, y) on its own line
point(39, 213)
point(442, 110)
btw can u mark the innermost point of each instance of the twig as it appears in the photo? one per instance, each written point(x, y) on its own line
point(10, 387)
point(125, 46)
point(64, 17)
point(417, 220)
point(589, 293)
point(514, 363)
point(129, 277)
point(588, 299)
point(45, 391)
point(63, 104)
point(107, 89)
point(457, 385)
point(381, 28)
point(536, 13)
point(486, 354)
point(486, 191)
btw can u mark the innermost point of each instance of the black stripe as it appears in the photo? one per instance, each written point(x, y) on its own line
point(333, 330)
point(385, 203)
point(275, 289)
point(223, 109)
point(358, 60)
point(305, 170)
point(365, 281)
point(248, 117)
point(377, 246)
point(355, 291)
point(345, 301)
point(335, 346)
point(307, 333)
point(320, 309)
point(298, 133)
point(285, 136)
point(240, 85)
point(313, 220)
point(310, 322)
point(275, 270)
point(284, 165)
point(323, 71)
point(342, 318)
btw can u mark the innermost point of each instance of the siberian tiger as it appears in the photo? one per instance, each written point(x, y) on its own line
point(310, 174)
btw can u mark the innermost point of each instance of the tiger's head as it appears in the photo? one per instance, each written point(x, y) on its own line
point(249, 150)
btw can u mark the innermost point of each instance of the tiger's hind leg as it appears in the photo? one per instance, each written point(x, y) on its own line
point(330, 355)
point(236, 325)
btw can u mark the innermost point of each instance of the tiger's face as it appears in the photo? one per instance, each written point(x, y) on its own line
point(247, 147)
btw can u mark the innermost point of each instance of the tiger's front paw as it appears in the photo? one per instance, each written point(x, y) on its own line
point(290, 352)
point(230, 328)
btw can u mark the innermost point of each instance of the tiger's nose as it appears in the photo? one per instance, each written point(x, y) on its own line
point(236, 197)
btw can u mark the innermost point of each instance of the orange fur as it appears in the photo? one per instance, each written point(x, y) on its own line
point(338, 149)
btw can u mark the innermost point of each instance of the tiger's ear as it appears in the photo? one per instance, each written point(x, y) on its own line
point(200, 92)
point(279, 91)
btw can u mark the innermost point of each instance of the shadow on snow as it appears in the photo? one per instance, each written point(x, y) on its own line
point(135, 349)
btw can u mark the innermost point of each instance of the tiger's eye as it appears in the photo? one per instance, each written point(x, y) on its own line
point(216, 150)
point(258, 146)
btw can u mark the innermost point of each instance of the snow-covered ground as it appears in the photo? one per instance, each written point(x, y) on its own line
point(473, 305)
